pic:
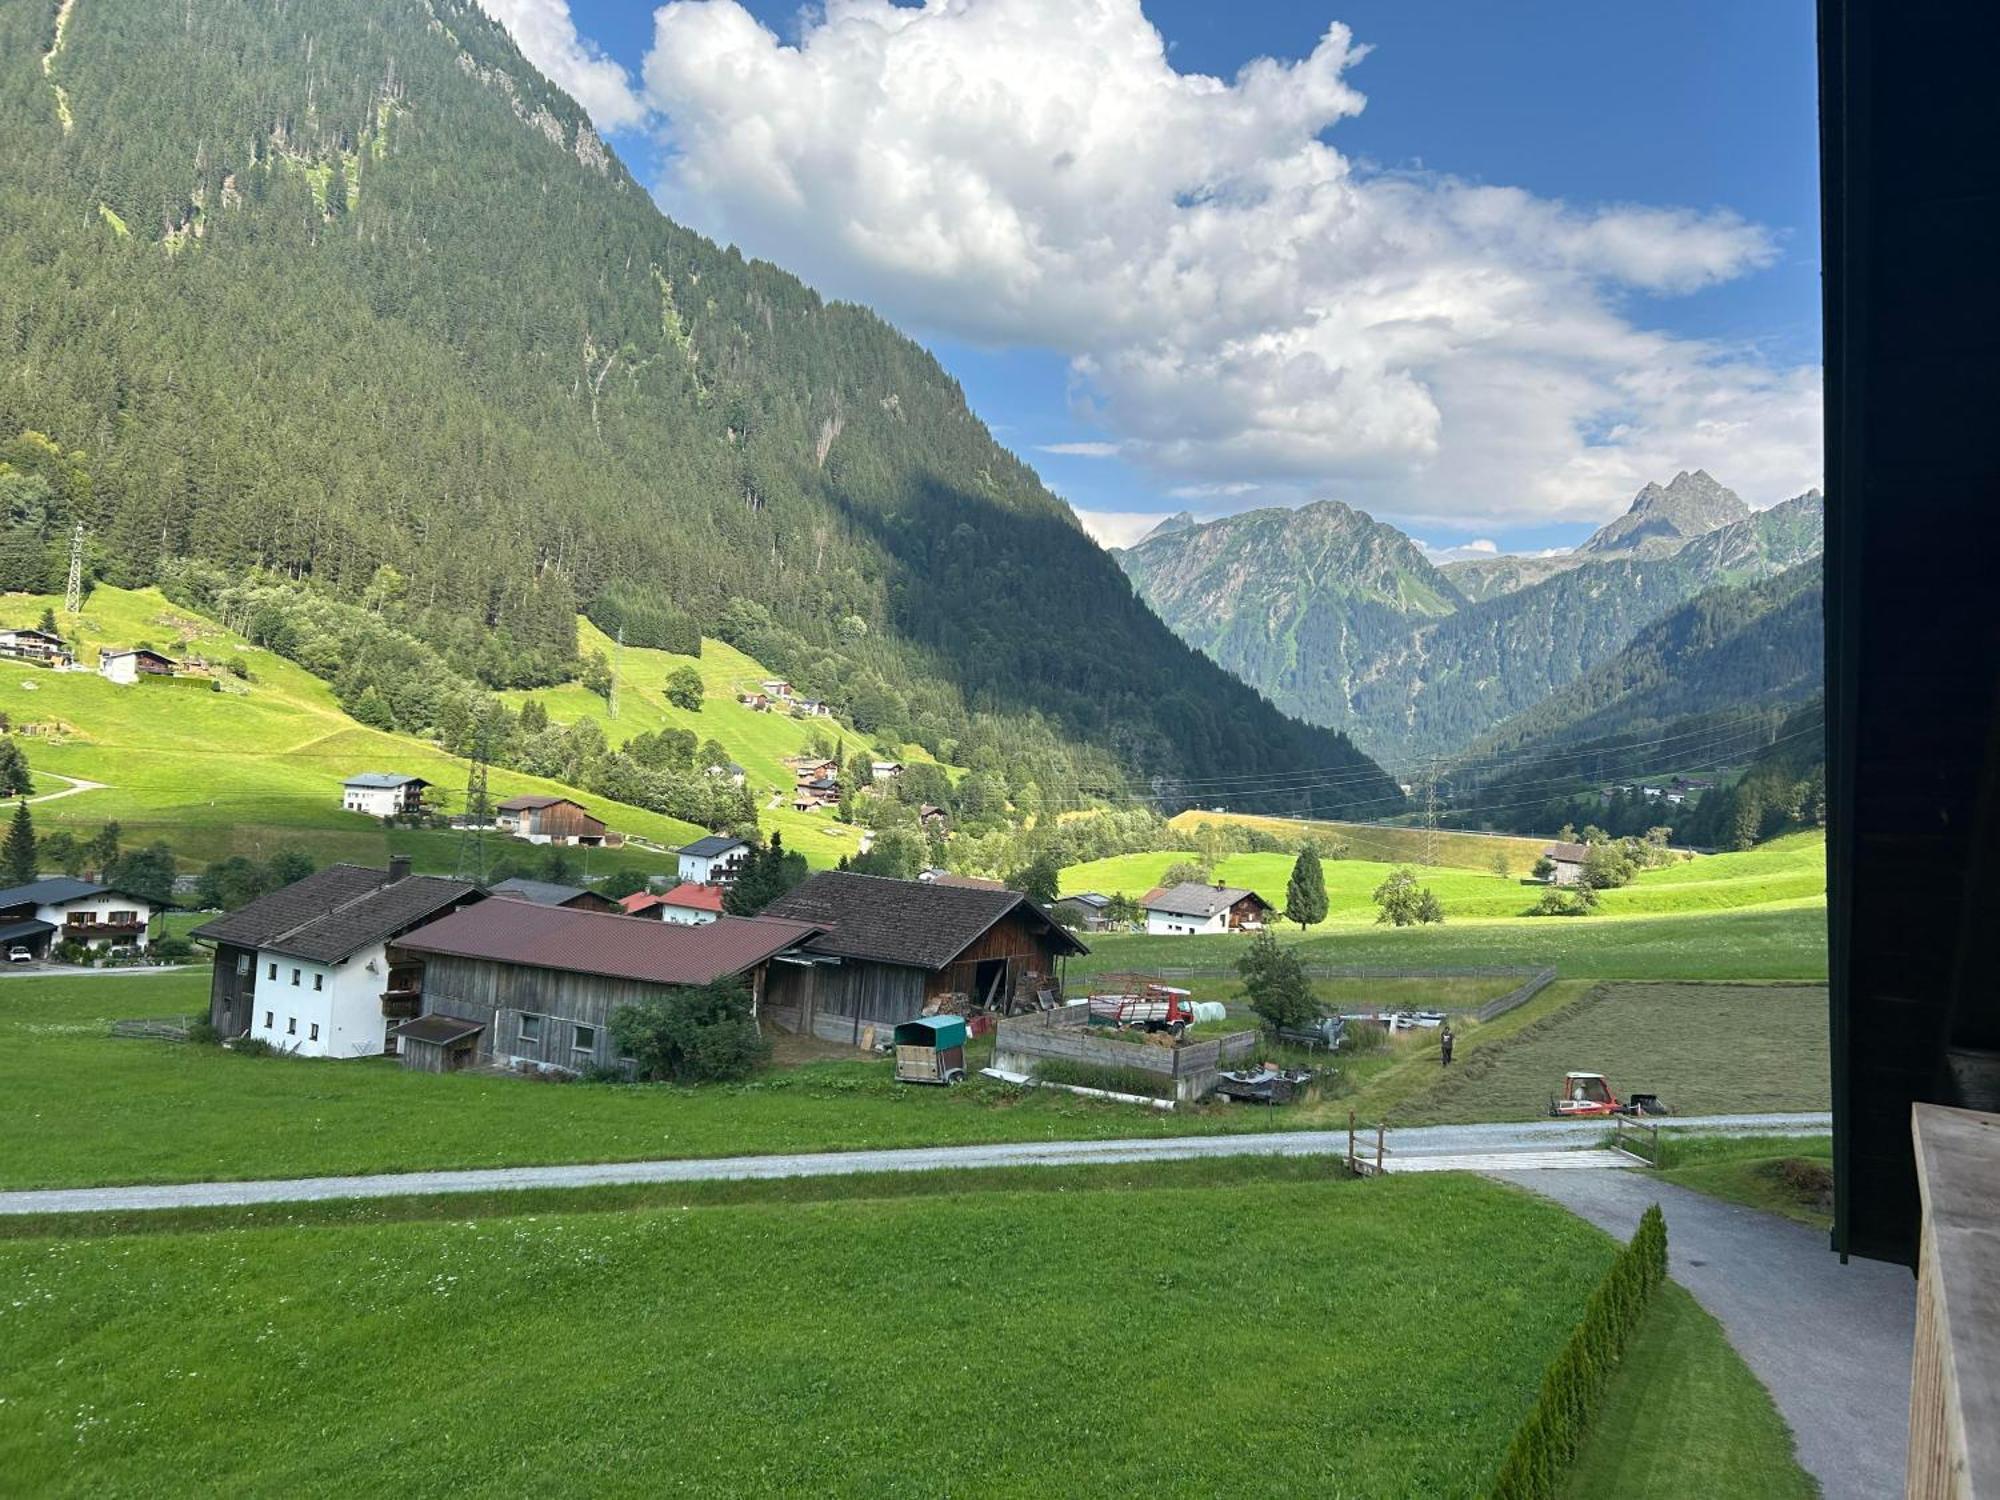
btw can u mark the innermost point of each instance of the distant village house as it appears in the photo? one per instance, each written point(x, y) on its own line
point(552, 893)
point(383, 794)
point(688, 904)
point(129, 666)
point(62, 909)
point(548, 820)
point(28, 644)
point(1566, 861)
point(713, 860)
point(1192, 909)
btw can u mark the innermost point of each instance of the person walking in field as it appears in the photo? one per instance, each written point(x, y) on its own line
point(1445, 1039)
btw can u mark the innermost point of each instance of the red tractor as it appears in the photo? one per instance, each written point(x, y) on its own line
point(1589, 1095)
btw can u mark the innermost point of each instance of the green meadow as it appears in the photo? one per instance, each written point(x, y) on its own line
point(258, 765)
point(1366, 1339)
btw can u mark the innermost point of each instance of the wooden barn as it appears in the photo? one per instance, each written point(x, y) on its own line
point(522, 984)
point(890, 950)
point(548, 820)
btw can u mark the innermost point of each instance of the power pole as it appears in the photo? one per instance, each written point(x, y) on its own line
point(73, 593)
point(1431, 816)
point(472, 834)
point(617, 658)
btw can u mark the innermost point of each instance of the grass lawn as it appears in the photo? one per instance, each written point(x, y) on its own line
point(1684, 1417)
point(1786, 872)
point(1769, 942)
point(1787, 1175)
point(1703, 1048)
point(244, 771)
point(79, 1107)
point(1361, 1339)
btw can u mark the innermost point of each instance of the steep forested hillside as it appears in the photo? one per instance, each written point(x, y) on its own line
point(1708, 685)
point(345, 294)
point(1370, 638)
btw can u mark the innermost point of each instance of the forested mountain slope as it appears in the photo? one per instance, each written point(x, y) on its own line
point(1371, 638)
point(1708, 685)
point(332, 289)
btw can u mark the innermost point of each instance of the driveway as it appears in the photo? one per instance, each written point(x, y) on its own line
point(1441, 1140)
point(1831, 1342)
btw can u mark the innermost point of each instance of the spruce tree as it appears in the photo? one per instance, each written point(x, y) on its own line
point(19, 850)
point(1305, 892)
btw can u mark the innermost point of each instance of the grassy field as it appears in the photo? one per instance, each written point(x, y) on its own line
point(258, 766)
point(244, 771)
point(1787, 873)
point(1360, 1339)
point(1703, 1048)
point(1786, 1175)
point(758, 742)
point(80, 1107)
point(1470, 851)
point(1684, 1417)
point(1773, 942)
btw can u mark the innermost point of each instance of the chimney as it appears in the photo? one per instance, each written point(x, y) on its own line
point(399, 868)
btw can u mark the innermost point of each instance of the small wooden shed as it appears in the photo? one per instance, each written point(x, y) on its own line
point(438, 1043)
point(931, 1049)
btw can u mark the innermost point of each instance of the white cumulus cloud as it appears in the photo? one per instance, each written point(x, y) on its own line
point(547, 36)
point(1240, 302)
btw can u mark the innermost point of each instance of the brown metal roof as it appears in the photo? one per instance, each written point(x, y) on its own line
point(924, 924)
point(607, 943)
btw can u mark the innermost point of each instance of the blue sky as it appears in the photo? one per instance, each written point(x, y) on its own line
point(1589, 108)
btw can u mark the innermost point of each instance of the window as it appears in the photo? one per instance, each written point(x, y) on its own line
point(295, 979)
point(125, 919)
point(291, 1025)
point(584, 1039)
point(274, 972)
point(270, 1021)
point(314, 1036)
point(531, 1028)
point(242, 964)
point(319, 981)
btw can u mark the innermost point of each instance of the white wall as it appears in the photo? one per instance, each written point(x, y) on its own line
point(103, 906)
point(684, 916)
point(347, 1006)
point(698, 870)
point(120, 668)
point(376, 801)
point(1173, 924)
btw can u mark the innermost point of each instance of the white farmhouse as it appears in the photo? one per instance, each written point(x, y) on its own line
point(313, 968)
point(127, 667)
point(1191, 908)
point(713, 860)
point(61, 909)
point(382, 794)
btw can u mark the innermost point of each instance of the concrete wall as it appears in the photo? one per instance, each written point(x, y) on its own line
point(1018, 1045)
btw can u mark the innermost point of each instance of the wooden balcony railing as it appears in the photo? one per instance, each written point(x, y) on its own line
point(1955, 1374)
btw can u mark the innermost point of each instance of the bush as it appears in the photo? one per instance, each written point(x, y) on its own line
point(202, 1030)
point(252, 1046)
point(1546, 1443)
point(171, 949)
point(1276, 983)
point(702, 1034)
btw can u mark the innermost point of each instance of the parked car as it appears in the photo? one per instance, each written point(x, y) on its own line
point(19, 955)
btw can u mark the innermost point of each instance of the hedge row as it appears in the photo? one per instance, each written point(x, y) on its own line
point(1538, 1460)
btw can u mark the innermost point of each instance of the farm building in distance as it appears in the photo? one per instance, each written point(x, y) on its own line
point(28, 644)
point(1192, 908)
point(548, 820)
point(1084, 911)
point(130, 665)
point(1567, 861)
point(312, 968)
point(687, 904)
point(536, 986)
point(713, 860)
point(550, 893)
point(382, 794)
point(62, 909)
point(890, 950)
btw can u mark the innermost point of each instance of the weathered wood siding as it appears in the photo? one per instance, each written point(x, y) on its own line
point(232, 996)
point(497, 995)
point(865, 993)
